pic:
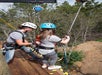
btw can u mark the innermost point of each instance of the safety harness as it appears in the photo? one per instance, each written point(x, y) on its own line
point(15, 45)
point(10, 46)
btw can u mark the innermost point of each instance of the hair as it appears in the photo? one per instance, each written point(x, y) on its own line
point(22, 27)
point(47, 32)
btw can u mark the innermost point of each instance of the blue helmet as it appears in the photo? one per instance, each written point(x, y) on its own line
point(48, 25)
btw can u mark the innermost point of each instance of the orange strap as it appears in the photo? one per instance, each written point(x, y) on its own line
point(37, 38)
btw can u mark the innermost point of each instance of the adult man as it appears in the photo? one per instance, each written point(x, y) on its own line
point(16, 40)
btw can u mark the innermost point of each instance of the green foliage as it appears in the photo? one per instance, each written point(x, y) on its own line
point(100, 40)
point(72, 57)
point(76, 56)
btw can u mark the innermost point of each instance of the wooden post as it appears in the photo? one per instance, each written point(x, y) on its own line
point(4, 69)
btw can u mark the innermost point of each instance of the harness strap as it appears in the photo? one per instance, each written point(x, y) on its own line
point(42, 47)
point(20, 33)
point(10, 45)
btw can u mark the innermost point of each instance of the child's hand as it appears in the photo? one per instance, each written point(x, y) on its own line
point(65, 40)
point(67, 37)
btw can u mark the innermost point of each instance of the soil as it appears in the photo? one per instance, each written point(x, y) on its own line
point(92, 63)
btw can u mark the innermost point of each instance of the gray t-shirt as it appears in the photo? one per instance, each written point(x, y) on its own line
point(15, 36)
point(49, 42)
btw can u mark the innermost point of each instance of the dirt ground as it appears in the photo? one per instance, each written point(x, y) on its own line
point(92, 63)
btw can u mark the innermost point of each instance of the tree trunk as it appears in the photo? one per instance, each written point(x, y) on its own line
point(84, 37)
point(4, 69)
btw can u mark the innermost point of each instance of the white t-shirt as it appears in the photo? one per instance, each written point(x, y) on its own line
point(49, 42)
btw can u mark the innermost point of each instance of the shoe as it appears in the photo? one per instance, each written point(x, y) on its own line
point(54, 67)
point(44, 66)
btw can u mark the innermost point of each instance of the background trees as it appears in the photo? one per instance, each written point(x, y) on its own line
point(88, 25)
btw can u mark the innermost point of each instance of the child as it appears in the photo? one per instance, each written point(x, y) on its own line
point(47, 45)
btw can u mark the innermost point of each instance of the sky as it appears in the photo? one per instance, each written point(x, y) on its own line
point(5, 6)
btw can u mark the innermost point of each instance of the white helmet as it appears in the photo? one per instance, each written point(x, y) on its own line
point(29, 24)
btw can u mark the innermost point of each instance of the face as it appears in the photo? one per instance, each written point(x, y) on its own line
point(29, 29)
point(44, 30)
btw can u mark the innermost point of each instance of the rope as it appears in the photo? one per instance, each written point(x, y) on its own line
point(73, 25)
point(75, 18)
point(65, 47)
